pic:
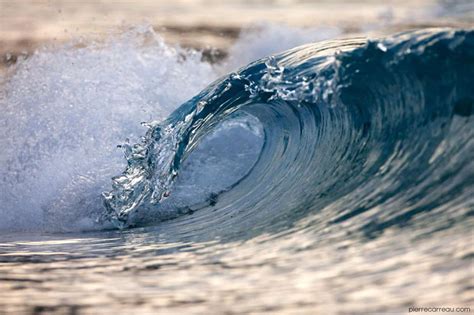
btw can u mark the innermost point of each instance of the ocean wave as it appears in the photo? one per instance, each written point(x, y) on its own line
point(362, 134)
point(347, 135)
point(66, 107)
point(335, 177)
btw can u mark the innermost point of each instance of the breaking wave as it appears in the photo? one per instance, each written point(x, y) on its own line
point(366, 133)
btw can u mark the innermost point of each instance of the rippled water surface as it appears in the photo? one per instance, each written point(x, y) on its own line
point(162, 269)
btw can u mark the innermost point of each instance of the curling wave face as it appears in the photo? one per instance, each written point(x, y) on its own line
point(363, 134)
point(65, 108)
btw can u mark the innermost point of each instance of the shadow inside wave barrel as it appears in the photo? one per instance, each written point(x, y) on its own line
point(360, 136)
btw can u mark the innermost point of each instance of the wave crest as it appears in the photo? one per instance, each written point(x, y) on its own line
point(372, 131)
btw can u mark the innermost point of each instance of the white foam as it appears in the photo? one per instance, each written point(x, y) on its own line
point(65, 109)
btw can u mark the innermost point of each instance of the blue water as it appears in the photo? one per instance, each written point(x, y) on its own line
point(371, 133)
point(334, 177)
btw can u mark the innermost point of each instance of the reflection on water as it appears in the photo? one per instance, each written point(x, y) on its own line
point(148, 270)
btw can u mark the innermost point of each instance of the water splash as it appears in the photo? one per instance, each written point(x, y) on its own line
point(64, 110)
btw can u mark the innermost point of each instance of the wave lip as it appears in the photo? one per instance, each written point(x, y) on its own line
point(351, 127)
